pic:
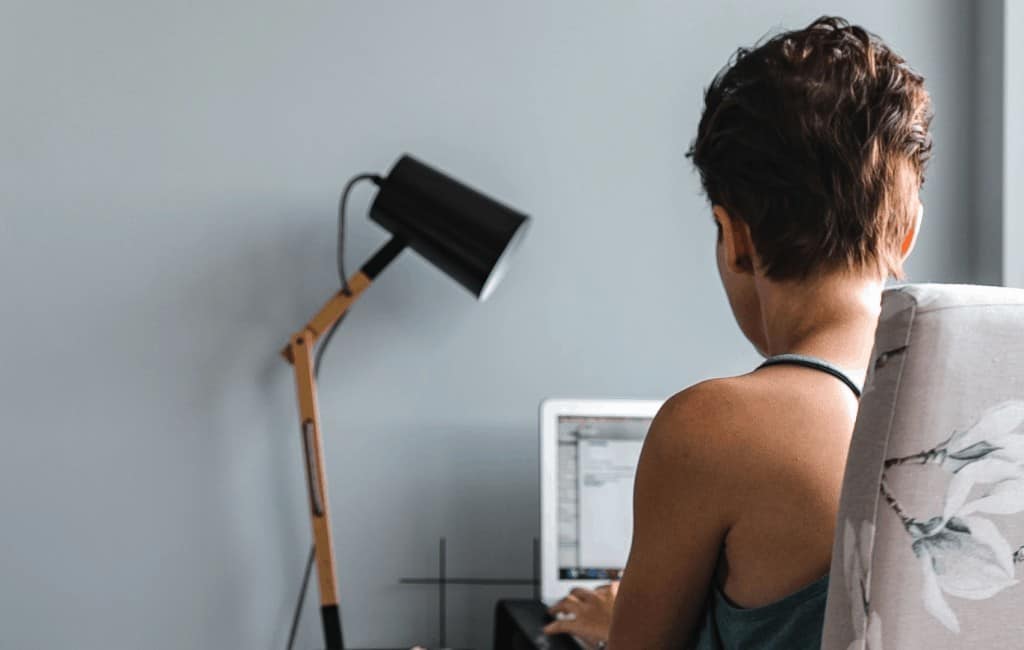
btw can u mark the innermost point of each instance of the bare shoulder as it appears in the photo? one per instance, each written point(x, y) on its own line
point(739, 433)
point(717, 435)
point(710, 420)
point(697, 460)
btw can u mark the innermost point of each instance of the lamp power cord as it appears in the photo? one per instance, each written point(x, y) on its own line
point(342, 276)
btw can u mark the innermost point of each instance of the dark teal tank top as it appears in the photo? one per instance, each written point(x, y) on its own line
point(791, 623)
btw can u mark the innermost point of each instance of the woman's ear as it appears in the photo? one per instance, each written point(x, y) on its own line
point(908, 242)
point(737, 244)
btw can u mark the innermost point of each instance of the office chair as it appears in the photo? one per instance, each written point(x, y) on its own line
point(930, 532)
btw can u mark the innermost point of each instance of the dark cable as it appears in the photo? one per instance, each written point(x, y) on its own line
point(302, 597)
point(342, 275)
point(323, 346)
point(316, 372)
point(341, 225)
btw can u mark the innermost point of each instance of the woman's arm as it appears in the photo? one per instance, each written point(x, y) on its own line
point(682, 510)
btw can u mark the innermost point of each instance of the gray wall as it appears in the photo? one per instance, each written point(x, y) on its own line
point(999, 144)
point(989, 81)
point(170, 172)
point(1013, 151)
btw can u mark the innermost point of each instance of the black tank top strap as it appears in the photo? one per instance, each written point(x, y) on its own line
point(816, 364)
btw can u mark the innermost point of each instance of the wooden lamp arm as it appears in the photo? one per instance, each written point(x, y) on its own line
point(299, 352)
point(329, 314)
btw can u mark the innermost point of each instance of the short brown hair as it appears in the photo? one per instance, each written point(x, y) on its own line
point(814, 138)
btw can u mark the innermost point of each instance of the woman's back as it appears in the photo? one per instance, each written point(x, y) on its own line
point(798, 423)
point(771, 581)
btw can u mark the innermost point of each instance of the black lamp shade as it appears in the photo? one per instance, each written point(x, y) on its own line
point(467, 235)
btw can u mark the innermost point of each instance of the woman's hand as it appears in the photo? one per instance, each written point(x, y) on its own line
point(585, 614)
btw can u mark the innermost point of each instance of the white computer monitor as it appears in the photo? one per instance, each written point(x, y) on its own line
point(588, 455)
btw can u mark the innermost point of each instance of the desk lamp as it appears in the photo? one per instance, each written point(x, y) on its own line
point(467, 235)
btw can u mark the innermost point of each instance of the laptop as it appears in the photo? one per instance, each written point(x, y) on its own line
point(588, 455)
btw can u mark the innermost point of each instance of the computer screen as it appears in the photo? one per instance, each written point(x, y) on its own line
point(597, 458)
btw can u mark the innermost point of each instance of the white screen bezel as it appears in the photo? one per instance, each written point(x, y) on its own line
point(553, 588)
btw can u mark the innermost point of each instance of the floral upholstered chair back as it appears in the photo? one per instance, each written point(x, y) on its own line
point(929, 549)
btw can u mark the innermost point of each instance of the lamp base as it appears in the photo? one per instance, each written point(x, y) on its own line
point(332, 626)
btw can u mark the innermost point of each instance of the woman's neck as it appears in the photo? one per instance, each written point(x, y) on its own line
point(832, 317)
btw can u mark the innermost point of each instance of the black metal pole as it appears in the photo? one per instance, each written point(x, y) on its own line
point(536, 569)
point(332, 627)
point(443, 591)
point(384, 256)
